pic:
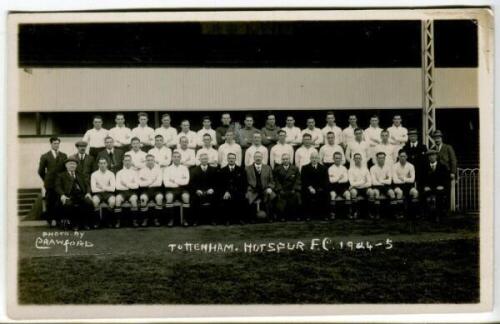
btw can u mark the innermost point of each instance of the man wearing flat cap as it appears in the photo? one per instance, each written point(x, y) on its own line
point(446, 153)
point(85, 161)
point(435, 181)
point(73, 192)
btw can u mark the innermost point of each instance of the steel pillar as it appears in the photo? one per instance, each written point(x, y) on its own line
point(428, 104)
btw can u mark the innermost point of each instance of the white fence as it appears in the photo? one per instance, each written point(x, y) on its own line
point(466, 190)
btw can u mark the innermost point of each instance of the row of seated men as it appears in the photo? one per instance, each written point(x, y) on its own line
point(210, 194)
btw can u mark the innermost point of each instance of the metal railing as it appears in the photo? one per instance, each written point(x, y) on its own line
point(466, 190)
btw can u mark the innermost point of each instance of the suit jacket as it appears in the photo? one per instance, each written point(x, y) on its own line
point(200, 180)
point(115, 165)
point(266, 176)
point(49, 167)
point(286, 180)
point(85, 167)
point(416, 155)
point(447, 156)
point(439, 177)
point(64, 183)
point(316, 178)
point(233, 182)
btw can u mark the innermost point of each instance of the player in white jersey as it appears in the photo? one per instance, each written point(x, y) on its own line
point(381, 183)
point(316, 134)
point(212, 154)
point(326, 151)
point(303, 153)
point(398, 133)
point(293, 133)
point(206, 129)
point(175, 179)
point(162, 153)
point(339, 186)
point(385, 146)
point(102, 184)
point(360, 181)
point(127, 183)
point(358, 145)
point(137, 155)
point(95, 137)
point(121, 134)
point(168, 132)
point(348, 132)
point(403, 178)
point(188, 133)
point(230, 146)
point(150, 180)
point(144, 132)
point(256, 147)
point(279, 149)
point(332, 127)
point(188, 156)
point(372, 134)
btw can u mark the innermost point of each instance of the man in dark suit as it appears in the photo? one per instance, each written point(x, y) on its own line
point(446, 153)
point(113, 155)
point(416, 152)
point(203, 183)
point(73, 193)
point(287, 180)
point(231, 189)
point(260, 187)
point(51, 163)
point(314, 179)
point(435, 179)
point(85, 161)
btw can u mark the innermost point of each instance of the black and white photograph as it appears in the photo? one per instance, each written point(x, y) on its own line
point(316, 158)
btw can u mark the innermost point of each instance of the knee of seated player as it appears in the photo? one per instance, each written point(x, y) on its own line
point(333, 195)
point(391, 194)
point(118, 200)
point(376, 193)
point(427, 189)
point(159, 199)
point(133, 200)
point(399, 193)
point(96, 201)
point(347, 195)
point(169, 197)
point(354, 193)
point(144, 199)
point(440, 188)
point(111, 201)
point(370, 193)
point(185, 197)
point(414, 193)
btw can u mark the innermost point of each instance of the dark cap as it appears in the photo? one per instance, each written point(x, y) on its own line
point(431, 152)
point(413, 131)
point(437, 133)
point(71, 159)
point(81, 143)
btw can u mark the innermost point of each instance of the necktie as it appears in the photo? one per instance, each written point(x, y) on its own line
point(82, 157)
point(111, 158)
point(231, 169)
point(73, 174)
point(204, 168)
point(258, 169)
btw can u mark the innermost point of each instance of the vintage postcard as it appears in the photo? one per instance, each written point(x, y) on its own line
point(172, 164)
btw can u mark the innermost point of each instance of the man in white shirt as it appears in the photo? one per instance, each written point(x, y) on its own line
point(121, 134)
point(293, 133)
point(102, 185)
point(138, 156)
point(188, 133)
point(398, 133)
point(385, 146)
point(339, 186)
point(316, 134)
point(150, 179)
point(279, 149)
point(332, 127)
point(230, 146)
point(360, 181)
point(95, 137)
point(358, 145)
point(348, 132)
point(403, 178)
point(372, 134)
point(327, 151)
point(144, 132)
point(381, 183)
point(162, 153)
point(188, 156)
point(206, 129)
point(256, 147)
point(213, 156)
point(175, 179)
point(168, 132)
point(303, 153)
point(127, 183)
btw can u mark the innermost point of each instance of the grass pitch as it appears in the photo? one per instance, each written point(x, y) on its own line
point(438, 264)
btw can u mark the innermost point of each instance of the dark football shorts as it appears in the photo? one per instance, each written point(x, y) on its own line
point(382, 189)
point(151, 192)
point(339, 188)
point(405, 187)
point(126, 194)
point(103, 196)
